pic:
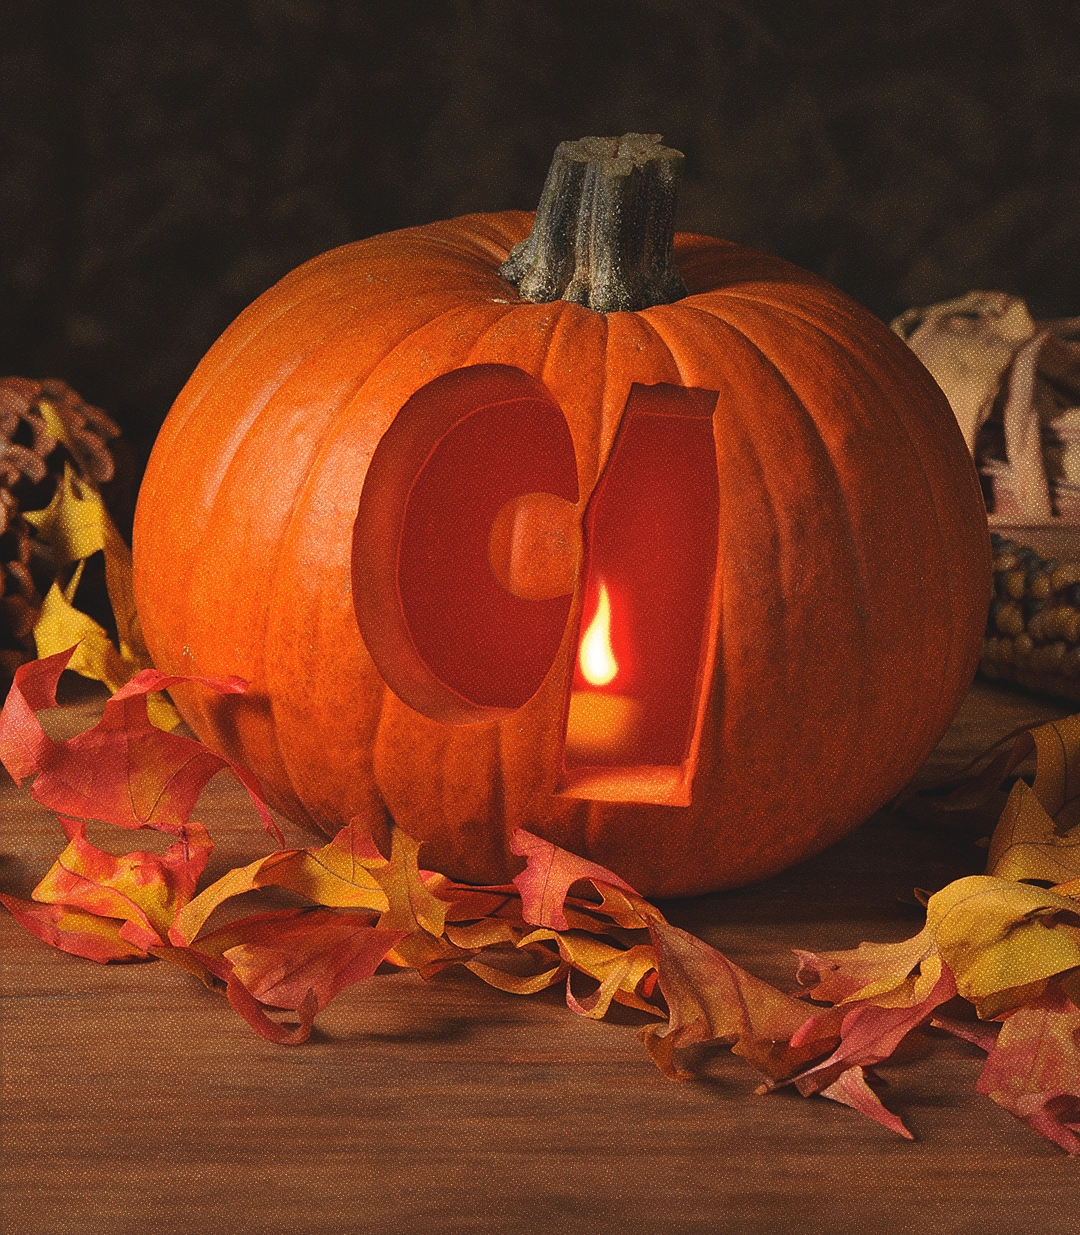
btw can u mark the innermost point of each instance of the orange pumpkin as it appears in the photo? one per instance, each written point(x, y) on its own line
point(369, 499)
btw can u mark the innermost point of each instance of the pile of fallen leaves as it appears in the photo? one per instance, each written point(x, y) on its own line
point(1003, 947)
point(999, 951)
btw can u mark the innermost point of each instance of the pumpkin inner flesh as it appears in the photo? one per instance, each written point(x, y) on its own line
point(646, 643)
point(448, 638)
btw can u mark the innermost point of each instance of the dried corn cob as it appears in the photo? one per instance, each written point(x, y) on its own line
point(1033, 628)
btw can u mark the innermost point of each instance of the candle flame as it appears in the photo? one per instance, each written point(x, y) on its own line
point(596, 657)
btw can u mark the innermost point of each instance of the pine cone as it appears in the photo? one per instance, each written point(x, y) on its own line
point(31, 463)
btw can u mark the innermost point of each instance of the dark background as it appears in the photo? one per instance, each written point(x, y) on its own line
point(162, 162)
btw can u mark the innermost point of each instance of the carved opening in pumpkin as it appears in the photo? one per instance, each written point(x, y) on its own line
point(647, 637)
point(443, 495)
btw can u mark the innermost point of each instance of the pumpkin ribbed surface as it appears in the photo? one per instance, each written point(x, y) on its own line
point(853, 557)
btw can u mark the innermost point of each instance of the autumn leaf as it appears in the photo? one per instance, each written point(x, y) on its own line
point(295, 959)
point(1027, 844)
point(338, 874)
point(123, 770)
point(414, 910)
point(1009, 947)
point(968, 790)
point(106, 908)
point(710, 999)
point(1033, 1065)
point(549, 873)
point(997, 936)
point(75, 525)
point(870, 1033)
point(74, 930)
point(1057, 780)
point(863, 972)
point(143, 890)
point(851, 1089)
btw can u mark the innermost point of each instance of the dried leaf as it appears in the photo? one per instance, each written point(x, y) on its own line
point(995, 934)
point(338, 874)
point(73, 523)
point(968, 791)
point(1057, 778)
point(124, 770)
point(517, 983)
point(549, 873)
point(322, 950)
point(414, 910)
point(1027, 845)
point(711, 999)
point(60, 626)
point(620, 976)
point(870, 1033)
point(852, 1090)
point(1033, 1070)
point(74, 526)
point(143, 890)
point(74, 930)
point(864, 972)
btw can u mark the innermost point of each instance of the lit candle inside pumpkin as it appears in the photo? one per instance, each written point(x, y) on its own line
point(600, 724)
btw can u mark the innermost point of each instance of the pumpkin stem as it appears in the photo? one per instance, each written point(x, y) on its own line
point(605, 227)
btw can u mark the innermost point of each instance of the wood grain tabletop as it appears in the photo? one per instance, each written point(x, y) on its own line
point(137, 1101)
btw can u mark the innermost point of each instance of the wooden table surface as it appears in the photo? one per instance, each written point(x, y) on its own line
point(137, 1101)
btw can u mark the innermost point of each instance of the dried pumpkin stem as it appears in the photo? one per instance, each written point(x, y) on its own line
point(605, 227)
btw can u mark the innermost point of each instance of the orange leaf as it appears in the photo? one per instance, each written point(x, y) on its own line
point(74, 930)
point(711, 999)
point(297, 959)
point(144, 890)
point(547, 878)
point(321, 950)
point(124, 770)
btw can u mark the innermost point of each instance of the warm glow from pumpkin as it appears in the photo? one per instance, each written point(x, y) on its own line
point(596, 657)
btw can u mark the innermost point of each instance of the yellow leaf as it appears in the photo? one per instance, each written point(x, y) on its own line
point(337, 875)
point(73, 523)
point(1027, 845)
point(487, 933)
point(60, 625)
point(995, 934)
point(514, 983)
point(411, 904)
point(1057, 778)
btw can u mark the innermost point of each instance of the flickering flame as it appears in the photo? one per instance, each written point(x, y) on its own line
point(596, 658)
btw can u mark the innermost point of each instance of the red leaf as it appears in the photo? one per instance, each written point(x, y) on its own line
point(144, 890)
point(74, 930)
point(25, 748)
point(545, 882)
point(243, 1002)
point(124, 770)
point(869, 1034)
point(1033, 1070)
point(851, 1089)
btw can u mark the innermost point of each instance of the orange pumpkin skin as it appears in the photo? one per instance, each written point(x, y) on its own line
point(854, 562)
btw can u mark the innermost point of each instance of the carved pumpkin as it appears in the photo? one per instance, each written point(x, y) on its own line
point(689, 581)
